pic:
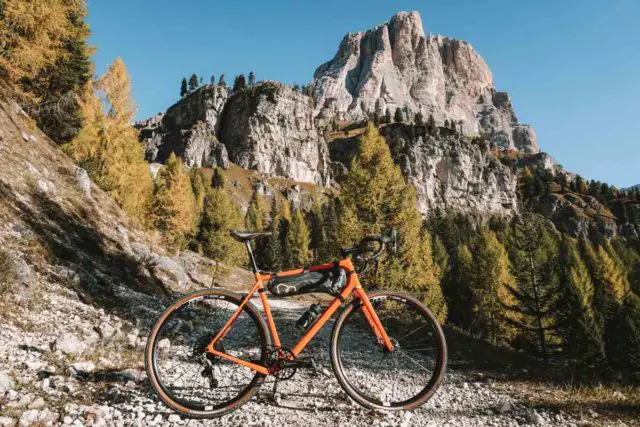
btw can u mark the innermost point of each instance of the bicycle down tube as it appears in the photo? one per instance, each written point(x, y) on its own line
point(353, 285)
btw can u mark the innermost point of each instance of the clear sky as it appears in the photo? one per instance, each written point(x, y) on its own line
point(572, 67)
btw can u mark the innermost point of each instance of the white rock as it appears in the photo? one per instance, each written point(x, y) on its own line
point(84, 182)
point(85, 366)
point(106, 330)
point(6, 382)
point(7, 422)
point(69, 344)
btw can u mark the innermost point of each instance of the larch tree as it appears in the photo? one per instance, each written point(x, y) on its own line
point(581, 337)
point(317, 228)
point(298, 240)
point(174, 207)
point(490, 284)
point(537, 290)
point(107, 144)
point(193, 82)
point(272, 250)
point(221, 214)
point(217, 179)
point(255, 221)
point(199, 187)
point(375, 197)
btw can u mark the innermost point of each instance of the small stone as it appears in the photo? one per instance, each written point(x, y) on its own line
point(618, 395)
point(24, 135)
point(174, 418)
point(6, 383)
point(164, 344)
point(38, 403)
point(592, 413)
point(7, 422)
point(534, 418)
point(85, 366)
point(465, 386)
point(29, 417)
point(69, 344)
point(106, 330)
point(504, 408)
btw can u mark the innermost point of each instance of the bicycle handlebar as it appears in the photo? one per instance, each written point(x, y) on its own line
point(382, 240)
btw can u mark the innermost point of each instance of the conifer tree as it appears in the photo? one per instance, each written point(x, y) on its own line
point(580, 333)
point(219, 216)
point(317, 238)
point(239, 83)
point(183, 87)
point(536, 291)
point(212, 80)
point(398, 117)
point(252, 78)
point(255, 221)
point(193, 83)
point(221, 82)
point(217, 180)
point(107, 145)
point(376, 197)
point(298, 240)
point(446, 124)
point(272, 255)
point(284, 225)
point(199, 187)
point(387, 116)
point(490, 285)
point(419, 119)
point(431, 125)
point(330, 227)
point(174, 208)
point(614, 281)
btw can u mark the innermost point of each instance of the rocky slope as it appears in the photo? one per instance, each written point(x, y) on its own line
point(395, 65)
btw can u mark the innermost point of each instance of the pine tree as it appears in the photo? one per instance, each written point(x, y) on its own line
point(174, 207)
point(580, 333)
point(221, 82)
point(272, 255)
point(193, 83)
point(296, 87)
point(419, 119)
point(199, 187)
point(453, 126)
point(431, 125)
point(201, 80)
point(317, 229)
point(219, 216)
point(330, 225)
point(490, 284)
point(217, 180)
point(387, 116)
point(284, 226)
point(376, 197)
point(183, 87)
point(107, 145)
point(615, 283)
point(212, 80)
point(398, 116)
point(252, 78)
point(536, 291)
point(239, 83)
point(255, 221)
point(298, 240)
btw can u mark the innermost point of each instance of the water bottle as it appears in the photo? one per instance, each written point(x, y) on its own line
point(308, 317)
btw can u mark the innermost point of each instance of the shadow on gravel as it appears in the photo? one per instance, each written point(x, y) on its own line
point(71, 240)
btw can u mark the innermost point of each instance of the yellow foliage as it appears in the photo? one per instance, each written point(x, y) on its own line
point(174, 208)
point(614, 280)
point(298, 240)
point(107, 144)
point(33, 33)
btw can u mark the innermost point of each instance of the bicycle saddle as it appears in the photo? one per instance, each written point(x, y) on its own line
point(243, 236)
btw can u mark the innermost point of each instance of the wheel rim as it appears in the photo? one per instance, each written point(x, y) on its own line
point(390, 379)
point(195, 379)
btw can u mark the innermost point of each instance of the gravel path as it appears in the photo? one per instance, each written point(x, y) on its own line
point(54, 385)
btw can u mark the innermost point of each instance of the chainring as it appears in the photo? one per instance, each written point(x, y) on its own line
point(274, 362)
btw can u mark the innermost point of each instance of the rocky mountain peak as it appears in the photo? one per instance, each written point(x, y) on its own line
point(395, 65)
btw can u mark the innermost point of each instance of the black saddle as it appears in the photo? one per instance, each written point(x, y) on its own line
point(243, 236)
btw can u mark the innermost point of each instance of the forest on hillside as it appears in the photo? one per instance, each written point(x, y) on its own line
point(516, 282)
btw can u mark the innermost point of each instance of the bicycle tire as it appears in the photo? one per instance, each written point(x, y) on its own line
point(151, 353)
point(347, 383)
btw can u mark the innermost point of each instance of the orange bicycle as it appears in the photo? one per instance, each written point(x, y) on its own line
point(210, 351)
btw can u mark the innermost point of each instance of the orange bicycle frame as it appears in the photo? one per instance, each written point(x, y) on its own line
point(353, 286)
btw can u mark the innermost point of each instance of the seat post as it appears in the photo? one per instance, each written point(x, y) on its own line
point(253, 260)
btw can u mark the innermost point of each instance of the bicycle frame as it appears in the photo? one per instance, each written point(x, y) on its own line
point(353, 286)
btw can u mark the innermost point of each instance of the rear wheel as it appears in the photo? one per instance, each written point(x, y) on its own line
point(189, 379)
point(376, 378)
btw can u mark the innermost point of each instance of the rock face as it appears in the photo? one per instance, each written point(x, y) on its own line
point(188, 129)
point(448, 171)
point(270, 127)
point(396, 66)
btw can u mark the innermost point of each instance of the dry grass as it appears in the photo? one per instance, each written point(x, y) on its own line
point(7, 276)
point(611, 403)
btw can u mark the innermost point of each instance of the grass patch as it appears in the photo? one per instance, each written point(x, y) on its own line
point(7, 275)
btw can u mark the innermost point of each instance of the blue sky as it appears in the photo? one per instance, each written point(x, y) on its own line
point(572, 67)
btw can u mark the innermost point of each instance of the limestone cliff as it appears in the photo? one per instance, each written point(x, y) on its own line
point(395, 65)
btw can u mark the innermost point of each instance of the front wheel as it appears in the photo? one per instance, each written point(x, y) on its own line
point(376, 378)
